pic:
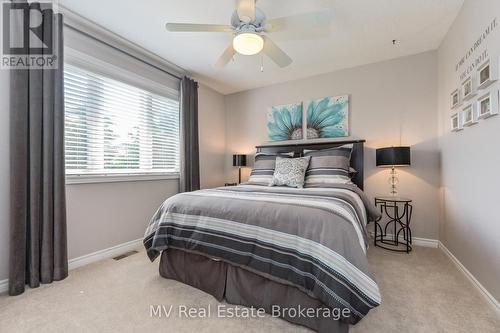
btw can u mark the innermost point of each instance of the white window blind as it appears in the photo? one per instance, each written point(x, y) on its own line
point(112, 128)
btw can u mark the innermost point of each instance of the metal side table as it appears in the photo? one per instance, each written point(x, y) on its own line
point(396, 234)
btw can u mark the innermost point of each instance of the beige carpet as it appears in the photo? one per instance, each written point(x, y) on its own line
point(422, 292)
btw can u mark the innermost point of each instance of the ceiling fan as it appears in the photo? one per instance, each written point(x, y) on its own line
point(250, 27)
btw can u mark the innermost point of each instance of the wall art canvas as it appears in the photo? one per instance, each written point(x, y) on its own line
point(327, 117)
point(284, 122)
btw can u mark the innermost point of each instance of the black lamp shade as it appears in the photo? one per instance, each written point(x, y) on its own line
point(393, 156)
point(240, 160)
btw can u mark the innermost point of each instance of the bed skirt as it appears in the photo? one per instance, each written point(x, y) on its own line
point(239, 286)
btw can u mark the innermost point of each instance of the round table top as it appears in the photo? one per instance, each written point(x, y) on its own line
point(393, 199)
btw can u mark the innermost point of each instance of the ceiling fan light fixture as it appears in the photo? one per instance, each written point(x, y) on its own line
point(248, 43)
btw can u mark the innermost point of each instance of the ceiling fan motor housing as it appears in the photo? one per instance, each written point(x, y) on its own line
point(257, 25)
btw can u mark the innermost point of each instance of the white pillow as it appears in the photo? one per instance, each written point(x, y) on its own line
point(290, 171)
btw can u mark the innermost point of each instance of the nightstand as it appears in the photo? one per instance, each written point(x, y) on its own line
point(396, 234)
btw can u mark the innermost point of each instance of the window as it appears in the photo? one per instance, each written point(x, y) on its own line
point(114, 129)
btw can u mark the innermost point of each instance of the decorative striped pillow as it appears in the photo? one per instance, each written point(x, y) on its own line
point(329, 166)
point(263, 170)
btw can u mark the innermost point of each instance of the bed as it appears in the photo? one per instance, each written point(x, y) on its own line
point(299, 254)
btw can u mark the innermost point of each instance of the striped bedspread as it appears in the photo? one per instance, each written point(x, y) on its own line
point(314, 239)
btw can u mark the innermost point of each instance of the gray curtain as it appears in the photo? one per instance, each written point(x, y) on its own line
point(190, 152)
point(38, 250)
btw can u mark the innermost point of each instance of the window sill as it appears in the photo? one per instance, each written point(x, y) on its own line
point(94, 179)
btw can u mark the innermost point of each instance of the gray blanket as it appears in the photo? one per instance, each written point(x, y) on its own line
point(314, 239)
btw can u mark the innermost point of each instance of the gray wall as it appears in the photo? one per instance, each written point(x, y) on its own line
point(385, 97)
point(212, 117)
point(471, 158)
point(108, 214)
point(103, 215)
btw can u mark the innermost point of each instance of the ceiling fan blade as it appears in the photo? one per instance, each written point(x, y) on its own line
point(226, 56)
point(246, 10)
point(300, 22)
point(189, 27)
point(275, 53)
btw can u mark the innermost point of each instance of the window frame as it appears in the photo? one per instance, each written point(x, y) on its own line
point(94, 65)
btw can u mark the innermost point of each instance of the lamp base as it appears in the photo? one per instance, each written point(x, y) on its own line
point(393, 181)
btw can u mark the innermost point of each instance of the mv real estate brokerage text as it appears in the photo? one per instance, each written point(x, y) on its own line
point(234, 311)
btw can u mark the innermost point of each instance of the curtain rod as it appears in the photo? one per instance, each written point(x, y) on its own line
point(122, 51)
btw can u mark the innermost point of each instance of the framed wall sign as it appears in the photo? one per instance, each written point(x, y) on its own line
point(487, 105)
point(488, 73)
point(469, 115)
point(456, 122)
point(455, 99)
point(468, 88)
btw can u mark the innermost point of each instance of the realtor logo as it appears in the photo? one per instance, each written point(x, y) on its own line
point(29, 35)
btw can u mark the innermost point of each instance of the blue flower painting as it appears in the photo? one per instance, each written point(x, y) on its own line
point(284, 122)
point(327, 117)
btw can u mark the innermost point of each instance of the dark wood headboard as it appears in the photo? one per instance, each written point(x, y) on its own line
point(357, 157)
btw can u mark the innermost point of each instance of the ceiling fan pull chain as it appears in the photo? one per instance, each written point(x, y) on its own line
point(262, 64)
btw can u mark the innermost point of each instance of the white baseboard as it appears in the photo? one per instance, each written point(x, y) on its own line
point(104, 254)
point(482, 290)
point(425, 242)
point(417, 241)
point(90, 258)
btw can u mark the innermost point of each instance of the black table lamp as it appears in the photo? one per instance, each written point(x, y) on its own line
point(393, 157)
point(239, 161)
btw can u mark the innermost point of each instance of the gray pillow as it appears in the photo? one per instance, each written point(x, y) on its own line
point(290, 171)
point(329, 166)
point(263, 169)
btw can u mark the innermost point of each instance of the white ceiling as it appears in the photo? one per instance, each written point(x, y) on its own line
point(361, 33)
